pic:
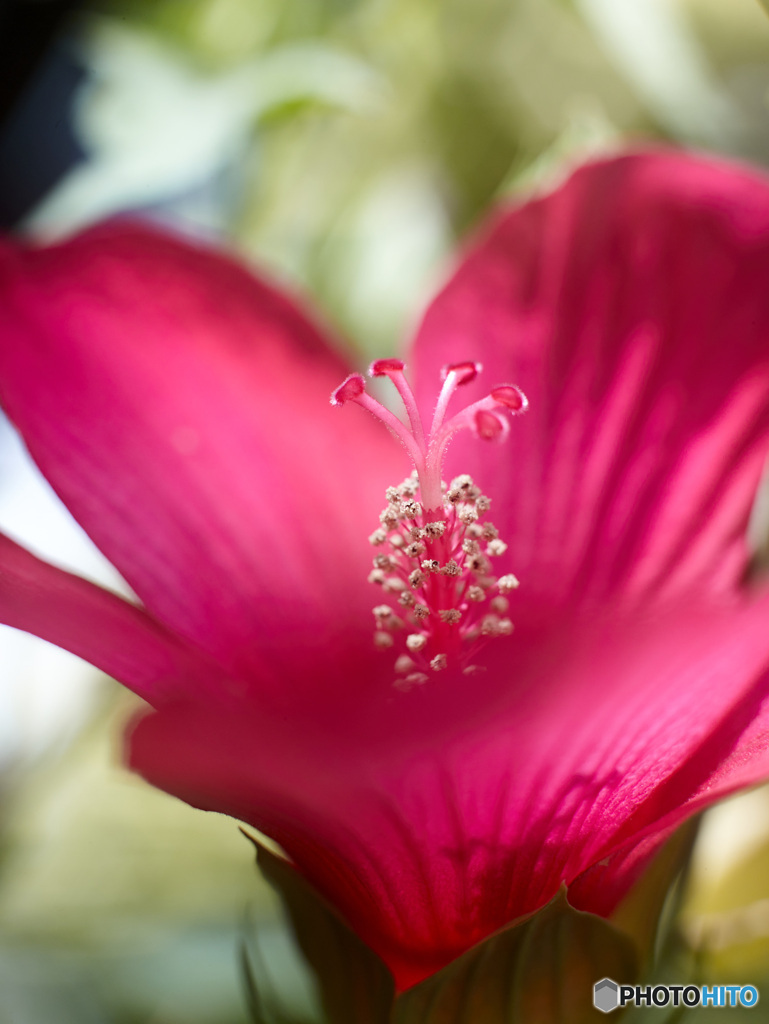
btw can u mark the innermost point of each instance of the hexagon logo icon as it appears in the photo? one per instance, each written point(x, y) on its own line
point(606, 995)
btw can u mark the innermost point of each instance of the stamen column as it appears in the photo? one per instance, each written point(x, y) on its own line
point(435, 547)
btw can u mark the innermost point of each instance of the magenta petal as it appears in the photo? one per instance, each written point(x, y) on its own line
point(719, 769)
point(631, 308)
point(114, 635)
point(468, 808)
point(180, 408)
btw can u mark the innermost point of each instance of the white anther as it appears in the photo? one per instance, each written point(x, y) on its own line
point(420, 611)
point(382, 640)
point(490, 625)
point(406, 598)
point(463, 482)
point(384, 562)
point(394, 585)
point(499, 605)
point(377, 576)
point(410, 509)
point(439, 662)
point(416, 533)
point(483, 503)
point(393, 496)
point(378, 537)
point(496, 547)
point(463, 489)
point(490, 532)
point(505, 627)
point(450, 615)
point(416, 642)
point(471, 547)
point(507, 583)
point(389, 517)
point(475, 594)
point(397, 540)
point(450, 569)
point(415, 549)
point(404, 663)
point(417, 578)
point(475, 530)
point(386, 617)
point(478, 563)
point(468, 516)
point(435, 529)
point(431, 565)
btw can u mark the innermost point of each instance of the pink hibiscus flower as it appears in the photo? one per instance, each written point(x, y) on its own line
point(180, 409)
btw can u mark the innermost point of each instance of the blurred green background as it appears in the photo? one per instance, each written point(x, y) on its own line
point(345, 146)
